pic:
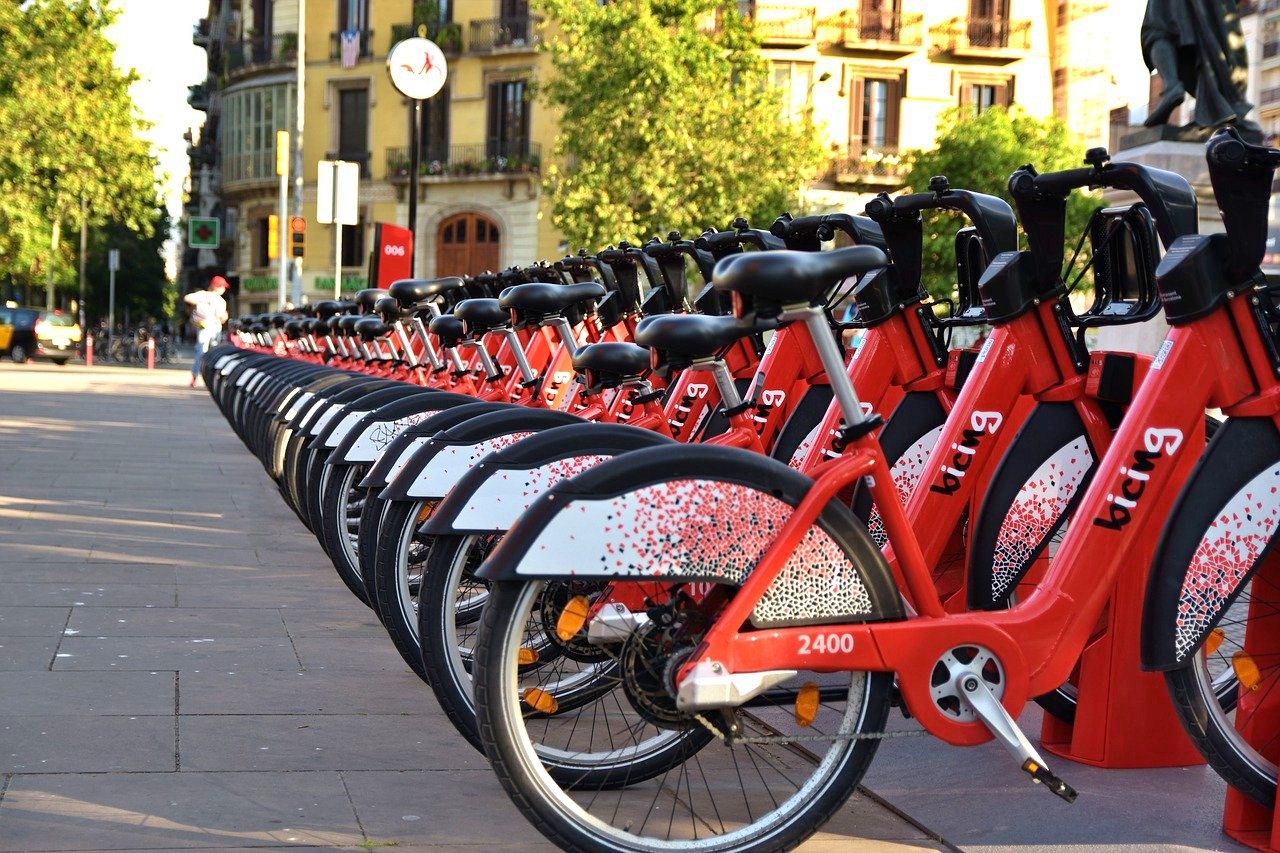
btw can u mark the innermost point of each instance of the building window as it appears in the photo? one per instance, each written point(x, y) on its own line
point(875, 110)
point(247, 132)
point(353, 15)
point(508, 124)
point(353, 122)
point(433, 138)
point(353, 251)
point(985, 92)
point(262, 229)
point(795, 82)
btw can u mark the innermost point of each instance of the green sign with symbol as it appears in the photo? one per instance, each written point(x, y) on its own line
point(203, 233)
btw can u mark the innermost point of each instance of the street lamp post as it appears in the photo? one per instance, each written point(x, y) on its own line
point(418, 70)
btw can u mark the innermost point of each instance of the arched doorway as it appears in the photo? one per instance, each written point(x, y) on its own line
point(467, 244)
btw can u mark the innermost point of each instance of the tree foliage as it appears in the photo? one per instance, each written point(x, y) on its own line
point(71, 132)
point(980, 152)
point(667, 120)
point(142, 284)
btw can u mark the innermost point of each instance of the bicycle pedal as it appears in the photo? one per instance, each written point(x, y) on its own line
point(1044, 776)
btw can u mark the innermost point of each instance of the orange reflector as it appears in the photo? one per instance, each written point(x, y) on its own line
point(528, 656)
point(540, 700)
point(1246, 670)
point(427, 509)
point(807, 704)
point(572, 618)
point(1214, 640)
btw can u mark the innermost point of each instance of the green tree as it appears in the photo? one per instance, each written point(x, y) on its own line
point(979, 152)
point(142, 284)
point(667, 120)
point(71, 133)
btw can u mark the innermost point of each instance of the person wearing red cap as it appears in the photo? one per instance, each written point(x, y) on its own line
point(208, 313)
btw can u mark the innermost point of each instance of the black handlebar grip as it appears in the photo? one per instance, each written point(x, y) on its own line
point(879, 207)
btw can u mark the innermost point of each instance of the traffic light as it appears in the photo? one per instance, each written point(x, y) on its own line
point(297, 236)
point(282, 152)
point(273, 236)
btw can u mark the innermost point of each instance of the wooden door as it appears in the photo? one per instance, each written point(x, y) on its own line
point(467, 244)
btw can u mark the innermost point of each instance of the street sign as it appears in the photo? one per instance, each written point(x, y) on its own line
point(338, 188)
point(297, 236)
point(417, 68)
point(203, 233)
point(113, 260)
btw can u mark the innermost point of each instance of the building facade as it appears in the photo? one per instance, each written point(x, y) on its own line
point(879, 74)
point(481, 144)
point(876, 74)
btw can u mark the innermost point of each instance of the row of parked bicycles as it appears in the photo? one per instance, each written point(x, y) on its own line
point(669, 551)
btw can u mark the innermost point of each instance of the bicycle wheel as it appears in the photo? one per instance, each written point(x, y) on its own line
point(624, 768)
point(397, 575)
point(1213, 601)
point(342, 503)
point(608, 777)
point(449, 608)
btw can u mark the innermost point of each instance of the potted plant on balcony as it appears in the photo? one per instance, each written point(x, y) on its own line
point(288, 47)
point(450, 37)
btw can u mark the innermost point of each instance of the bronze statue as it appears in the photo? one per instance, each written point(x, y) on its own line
point(1197, 49)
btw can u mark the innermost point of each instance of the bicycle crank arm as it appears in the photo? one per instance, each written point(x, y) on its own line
point(998, 721)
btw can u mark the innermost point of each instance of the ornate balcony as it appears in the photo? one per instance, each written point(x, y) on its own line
point(198, 97)
point(200, 33)
point(365, 50)
point(880, 167)
point(460, 162)
point(989, 40)
point(446, 34)
point(888, 31)
point(505, 35)
point(261, 52)
point(780, 25)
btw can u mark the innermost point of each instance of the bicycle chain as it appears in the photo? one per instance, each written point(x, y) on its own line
point(784, 739)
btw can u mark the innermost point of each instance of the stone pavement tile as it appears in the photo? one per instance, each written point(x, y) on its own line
point(862, 818)
point(69, 594)
point(299, 594)
point(37, 693)
point(33, 621)
point(175, 622)
point(86, 744)
point(26, 653)
point(87, 572)
point(439, 808)
point(349, 653)
point(353, 620)
point(330, 742)
point(143, 811)
point(341, 692)
point(249, 576)
point(180, 653)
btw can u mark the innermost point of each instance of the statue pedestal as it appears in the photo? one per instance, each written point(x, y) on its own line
point(1187, 159)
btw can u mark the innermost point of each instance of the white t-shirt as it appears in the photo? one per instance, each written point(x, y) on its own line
point(208, 309)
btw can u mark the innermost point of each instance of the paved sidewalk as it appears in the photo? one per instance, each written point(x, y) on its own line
point(181, 668)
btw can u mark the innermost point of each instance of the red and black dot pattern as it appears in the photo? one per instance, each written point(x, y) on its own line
point(706, 530)
point(1036, 509)
point(1228, 550)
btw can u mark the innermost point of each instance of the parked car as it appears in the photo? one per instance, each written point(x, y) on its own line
point(29, 333)
point(57, 336)
point(18, 332)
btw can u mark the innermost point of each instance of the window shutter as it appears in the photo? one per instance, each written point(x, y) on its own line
point(495, 116)
point(1003, 94)
point(966, 94)
point(855, 116)
point(893, 109)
